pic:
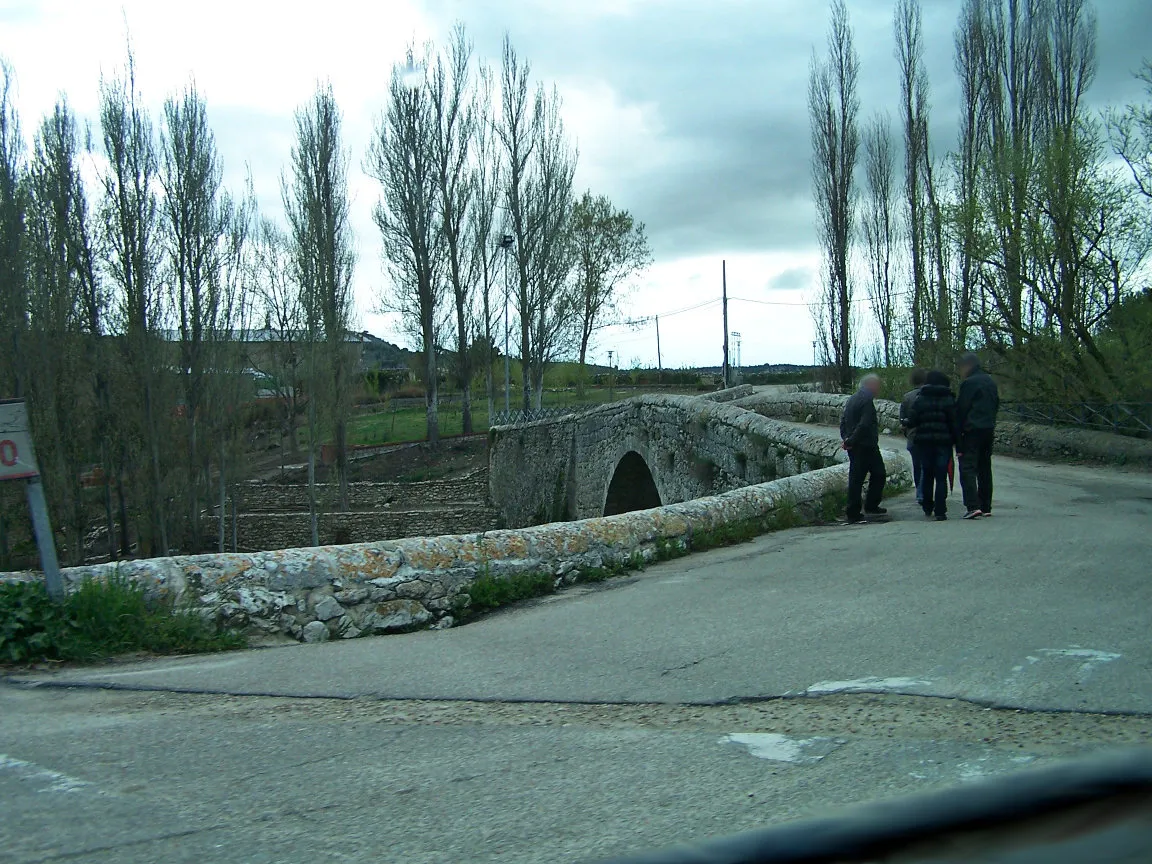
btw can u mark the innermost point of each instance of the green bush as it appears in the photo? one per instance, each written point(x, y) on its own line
point(100, 620)
point(492, 592)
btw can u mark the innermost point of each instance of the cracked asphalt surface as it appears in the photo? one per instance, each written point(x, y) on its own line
point(801, 672)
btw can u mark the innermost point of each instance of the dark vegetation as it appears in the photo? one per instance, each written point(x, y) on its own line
point(98, 621)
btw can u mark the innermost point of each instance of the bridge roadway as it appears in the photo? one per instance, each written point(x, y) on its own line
point(1045, 607)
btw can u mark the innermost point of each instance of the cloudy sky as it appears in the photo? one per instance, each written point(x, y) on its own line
point(689, 113)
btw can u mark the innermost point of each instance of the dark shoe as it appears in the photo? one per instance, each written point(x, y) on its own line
point(927, 514)
point(973, 514)
point(876, 511)
point(942, 518)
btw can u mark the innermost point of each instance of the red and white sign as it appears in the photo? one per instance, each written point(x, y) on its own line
point(17, 461)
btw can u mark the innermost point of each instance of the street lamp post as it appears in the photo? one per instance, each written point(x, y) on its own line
point(506, 243)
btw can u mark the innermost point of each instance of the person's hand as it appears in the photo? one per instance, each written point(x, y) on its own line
point(845, 446)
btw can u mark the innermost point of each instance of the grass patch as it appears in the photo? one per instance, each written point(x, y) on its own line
point(492, 592)
point(489, 592)
point(396, 425)
point(98, 621)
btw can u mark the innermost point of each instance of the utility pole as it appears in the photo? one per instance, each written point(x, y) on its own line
point(724, 298)
point(611, 376)
point(659, 363)
point(737, 365)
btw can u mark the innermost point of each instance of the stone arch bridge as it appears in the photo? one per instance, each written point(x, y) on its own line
point(641, 453)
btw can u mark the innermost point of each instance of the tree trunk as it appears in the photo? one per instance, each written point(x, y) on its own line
point(431, 390)
point(193, 483)
point(125, 540)
point(157, 485)
point(526, 359)
point(313, 520)
point(220, 516)
point(109, 519)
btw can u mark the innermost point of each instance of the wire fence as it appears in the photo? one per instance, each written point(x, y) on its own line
point(512, 418)
point(1122, 418)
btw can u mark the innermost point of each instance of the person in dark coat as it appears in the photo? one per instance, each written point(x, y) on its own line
point(932, 418)
point(860, 436)
point(977, 404)
point(917, 380)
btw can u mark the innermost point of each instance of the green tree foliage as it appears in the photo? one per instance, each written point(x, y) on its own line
point(610, 248)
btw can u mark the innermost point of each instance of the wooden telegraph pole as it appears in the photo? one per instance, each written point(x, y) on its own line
point(659, 362)
point(724, 299)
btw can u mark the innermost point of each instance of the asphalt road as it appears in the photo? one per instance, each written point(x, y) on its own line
point(1044, 606)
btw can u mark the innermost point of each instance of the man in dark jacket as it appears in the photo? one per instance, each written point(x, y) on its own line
point(860, 436)
point(976, 406)
point(917, 380)
point(932, 418)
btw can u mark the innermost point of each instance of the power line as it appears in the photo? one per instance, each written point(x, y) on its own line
point(635, 322)
point(864, 299)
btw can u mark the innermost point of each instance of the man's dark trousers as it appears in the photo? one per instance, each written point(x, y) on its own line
point(864, 461)
point(976, 469)
point(934, 463)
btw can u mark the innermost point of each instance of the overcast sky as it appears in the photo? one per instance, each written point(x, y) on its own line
point(689, 113)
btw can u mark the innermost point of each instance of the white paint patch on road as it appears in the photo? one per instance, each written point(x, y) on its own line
point(865, 685)
point(1091, 657)
point(782, 748)
point(30, 771)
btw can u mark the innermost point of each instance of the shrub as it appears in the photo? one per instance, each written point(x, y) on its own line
point(100, 620)
point(492, 592)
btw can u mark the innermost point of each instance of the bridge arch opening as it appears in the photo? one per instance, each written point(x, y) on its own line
point(632, 486)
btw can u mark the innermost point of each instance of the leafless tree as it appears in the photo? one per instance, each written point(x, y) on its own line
point(879, 227)
point(833, 105)
point(130, 237)
point(282, 337)
point(60, 402)
point(487, 179)
point(194, 223)
point(228, 388)
point(516, 130)
point(914, 115)
point(402, 158)
point(454, 110)
point(611, 248)
point(548, 248)
point(316, 203)
point(1131, 130)
point(13, 289)
point(972, 140)
point(539, 165)
point(14, 299)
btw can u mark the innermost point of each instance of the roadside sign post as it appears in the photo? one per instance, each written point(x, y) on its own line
point(18, 462)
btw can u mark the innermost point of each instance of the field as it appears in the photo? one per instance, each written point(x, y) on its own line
point(402, 421)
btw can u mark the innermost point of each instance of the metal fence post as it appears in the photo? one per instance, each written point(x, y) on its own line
point(45, 542)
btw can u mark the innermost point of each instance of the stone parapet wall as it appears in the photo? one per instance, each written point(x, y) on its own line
point(260, 531)
point(1028, 440)
point(284, 498)
point(553, 470)
point(346, 591)
point(730, 394)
